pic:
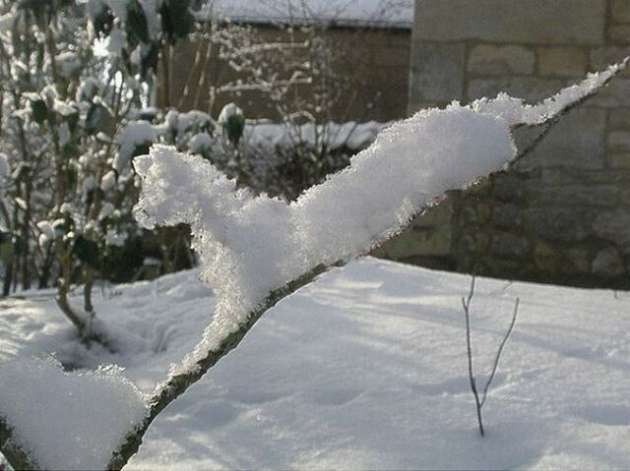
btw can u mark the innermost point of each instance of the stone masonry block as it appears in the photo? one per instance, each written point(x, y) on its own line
point(506, 215)
point(437, 72)
point(559, 224)
point(619, 160)
point(577, 142)
point(412, 243)
point(570, 22)
point(621, 11)
point(487, 59)
point(562, 61)
point(619, 141)
point(613, 226)
point(604, 196)
point(505, 244)
point(608, 263)
point(619, 119)
point(616, 94)
point(619, 34)
point(601, 57)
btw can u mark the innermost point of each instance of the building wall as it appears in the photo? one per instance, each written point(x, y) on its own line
point(373, 64)
point(563, 214)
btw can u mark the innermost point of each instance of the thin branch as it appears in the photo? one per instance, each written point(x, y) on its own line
point(500, 351)
point(551, 123)
point(178, 384)
point(466, 301)
point(471, 374)
point(13, 452)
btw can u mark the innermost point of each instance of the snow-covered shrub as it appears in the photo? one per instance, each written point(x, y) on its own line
point(279, 159)
point(73, 74)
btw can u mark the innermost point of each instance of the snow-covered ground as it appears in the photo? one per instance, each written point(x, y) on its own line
point(366, 369)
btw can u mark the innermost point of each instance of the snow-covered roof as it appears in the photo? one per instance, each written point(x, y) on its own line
point(374, 13)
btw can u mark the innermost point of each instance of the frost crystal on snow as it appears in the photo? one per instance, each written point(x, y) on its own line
point(68, 420)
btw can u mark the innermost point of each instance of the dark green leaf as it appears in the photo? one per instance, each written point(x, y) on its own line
point(234, 126)
point(177, 19)
point(137, 27)
point(103, 21)
point(40, 110)
point(99, 119)
point(86, 251)
point(149, 59)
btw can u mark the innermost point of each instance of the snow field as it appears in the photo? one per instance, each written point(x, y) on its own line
point(366, 368)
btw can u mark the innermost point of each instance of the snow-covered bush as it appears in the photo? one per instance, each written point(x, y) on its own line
point(77, 77)
point(256, 250)
point(73, 74)
point(279, 159)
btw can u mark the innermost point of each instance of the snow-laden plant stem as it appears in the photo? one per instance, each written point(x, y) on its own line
point(178, 383)
point(11, 450)
point(479, 402)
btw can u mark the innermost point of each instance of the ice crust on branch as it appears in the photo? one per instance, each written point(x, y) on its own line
point(68, 420)
point(516, 112)
point(252, 245)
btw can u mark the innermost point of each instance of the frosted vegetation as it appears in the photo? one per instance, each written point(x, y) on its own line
point(256, 250)
point(78, 144)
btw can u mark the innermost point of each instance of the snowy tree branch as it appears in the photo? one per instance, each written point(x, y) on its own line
point(551, 123)
point(240, 236)
point(178, 384)
point(11, 450)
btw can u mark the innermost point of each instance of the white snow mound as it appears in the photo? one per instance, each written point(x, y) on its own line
point(68, 420)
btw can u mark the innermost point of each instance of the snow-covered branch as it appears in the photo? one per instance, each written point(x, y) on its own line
point(241, 237)
point(256, 250)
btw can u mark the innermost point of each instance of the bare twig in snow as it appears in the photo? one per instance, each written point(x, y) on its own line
point(479, 402)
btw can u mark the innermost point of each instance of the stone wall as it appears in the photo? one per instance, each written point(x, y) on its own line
point(563, 214)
